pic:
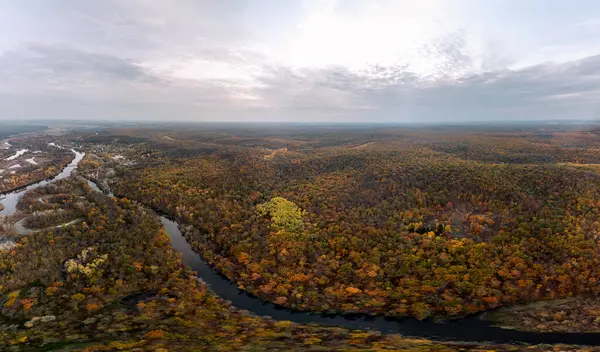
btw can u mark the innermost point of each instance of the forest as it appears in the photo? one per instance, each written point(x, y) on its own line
point(114, 283)
point(405, 223)
point(423, 224)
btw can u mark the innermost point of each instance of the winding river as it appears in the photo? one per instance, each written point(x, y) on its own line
point(10, 199)
point(471, 329)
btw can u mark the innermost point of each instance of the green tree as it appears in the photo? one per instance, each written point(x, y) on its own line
point(285, 215)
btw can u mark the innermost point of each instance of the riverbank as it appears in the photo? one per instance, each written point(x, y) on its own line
point(564, 315)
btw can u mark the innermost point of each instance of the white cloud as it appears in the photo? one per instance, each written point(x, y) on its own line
point(311, 60)
point(391, 33)
point(593, 23)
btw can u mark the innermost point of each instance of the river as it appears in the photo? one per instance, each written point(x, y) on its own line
point(10, 200)
point(471, 329)
point(17, 154)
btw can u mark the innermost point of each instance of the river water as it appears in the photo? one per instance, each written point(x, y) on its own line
point(17, 154)
point(10, 200)
point(471, 329)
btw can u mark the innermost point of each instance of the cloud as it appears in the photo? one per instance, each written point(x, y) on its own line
point(590, 23)
point(51, 79)
point(38, 80)
point(37, 60)
point(569, 90)
point(338, 60)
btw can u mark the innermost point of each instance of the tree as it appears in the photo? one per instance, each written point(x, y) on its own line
point(285, 215)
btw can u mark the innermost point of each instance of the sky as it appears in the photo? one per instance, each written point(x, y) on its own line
point(300, 60)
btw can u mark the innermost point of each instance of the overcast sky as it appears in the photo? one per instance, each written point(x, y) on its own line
point(300, 60)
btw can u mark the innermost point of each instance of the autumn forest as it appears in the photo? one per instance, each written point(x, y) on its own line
point(403, 227)
point(405, 222)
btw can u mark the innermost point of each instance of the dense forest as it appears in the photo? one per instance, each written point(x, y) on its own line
point(403, 223)
point(418, 224)
point(114, 283)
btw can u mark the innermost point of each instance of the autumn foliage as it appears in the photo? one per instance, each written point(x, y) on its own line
point(452, 225)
